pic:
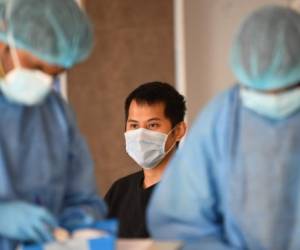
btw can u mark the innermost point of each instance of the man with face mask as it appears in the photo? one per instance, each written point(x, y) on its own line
point(154, 115)
point(46, 172)
point(235, 182)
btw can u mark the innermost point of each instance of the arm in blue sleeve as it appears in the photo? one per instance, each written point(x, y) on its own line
point(186, 205)
point(82, 205)
point(208, 243)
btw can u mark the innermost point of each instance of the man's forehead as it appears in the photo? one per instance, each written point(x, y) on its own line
point(154, 111)
point(157, 107)
point(145, 104)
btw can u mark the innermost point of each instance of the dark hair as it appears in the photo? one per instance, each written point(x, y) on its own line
point(156, 92)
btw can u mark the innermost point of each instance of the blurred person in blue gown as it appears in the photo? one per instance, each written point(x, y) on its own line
point(46, 172)
point(235, 182)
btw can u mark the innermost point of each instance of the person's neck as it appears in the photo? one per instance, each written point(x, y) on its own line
point(153, 175)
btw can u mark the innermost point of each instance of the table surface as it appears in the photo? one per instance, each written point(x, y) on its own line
point(147, 244)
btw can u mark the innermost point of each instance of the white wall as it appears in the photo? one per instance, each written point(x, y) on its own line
point(206, 28)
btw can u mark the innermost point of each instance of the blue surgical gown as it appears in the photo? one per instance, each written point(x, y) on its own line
point(44, 160)
point(234, 184)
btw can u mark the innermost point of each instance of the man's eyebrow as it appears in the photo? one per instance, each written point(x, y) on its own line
point(131, 120)
point(154, 119)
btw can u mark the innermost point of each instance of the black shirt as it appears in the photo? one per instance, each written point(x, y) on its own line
point(127, 201)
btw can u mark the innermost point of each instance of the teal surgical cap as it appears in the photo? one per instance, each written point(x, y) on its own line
point(55, 31)
point(266, 51)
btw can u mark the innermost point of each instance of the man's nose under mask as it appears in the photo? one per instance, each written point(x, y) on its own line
point(147, 147)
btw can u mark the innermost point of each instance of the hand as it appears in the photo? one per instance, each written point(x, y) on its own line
point(75, 217)
point(25, 222)
point(88, 233)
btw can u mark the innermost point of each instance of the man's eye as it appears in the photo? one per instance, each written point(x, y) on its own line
point(133, 126)
point(153, 125)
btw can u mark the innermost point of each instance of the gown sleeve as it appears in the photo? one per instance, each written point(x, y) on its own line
point(186, 204)
point(82, 205)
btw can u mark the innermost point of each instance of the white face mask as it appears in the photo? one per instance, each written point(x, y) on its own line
point(25, 86)
point(146, 147)
point(275, 106)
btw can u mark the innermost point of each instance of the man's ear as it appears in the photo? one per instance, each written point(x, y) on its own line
point(4, 48)
point(5, 57)
point(180, 130)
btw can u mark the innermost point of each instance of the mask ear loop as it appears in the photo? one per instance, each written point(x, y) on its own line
point(169, 150)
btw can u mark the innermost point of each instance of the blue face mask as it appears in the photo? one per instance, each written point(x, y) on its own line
point(275, 106)
point(147, 147)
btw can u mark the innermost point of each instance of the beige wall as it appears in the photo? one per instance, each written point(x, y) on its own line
point(133, 45)
point(209, 29)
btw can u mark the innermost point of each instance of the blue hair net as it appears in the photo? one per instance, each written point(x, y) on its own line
point(266, 52)
point(56, 31)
